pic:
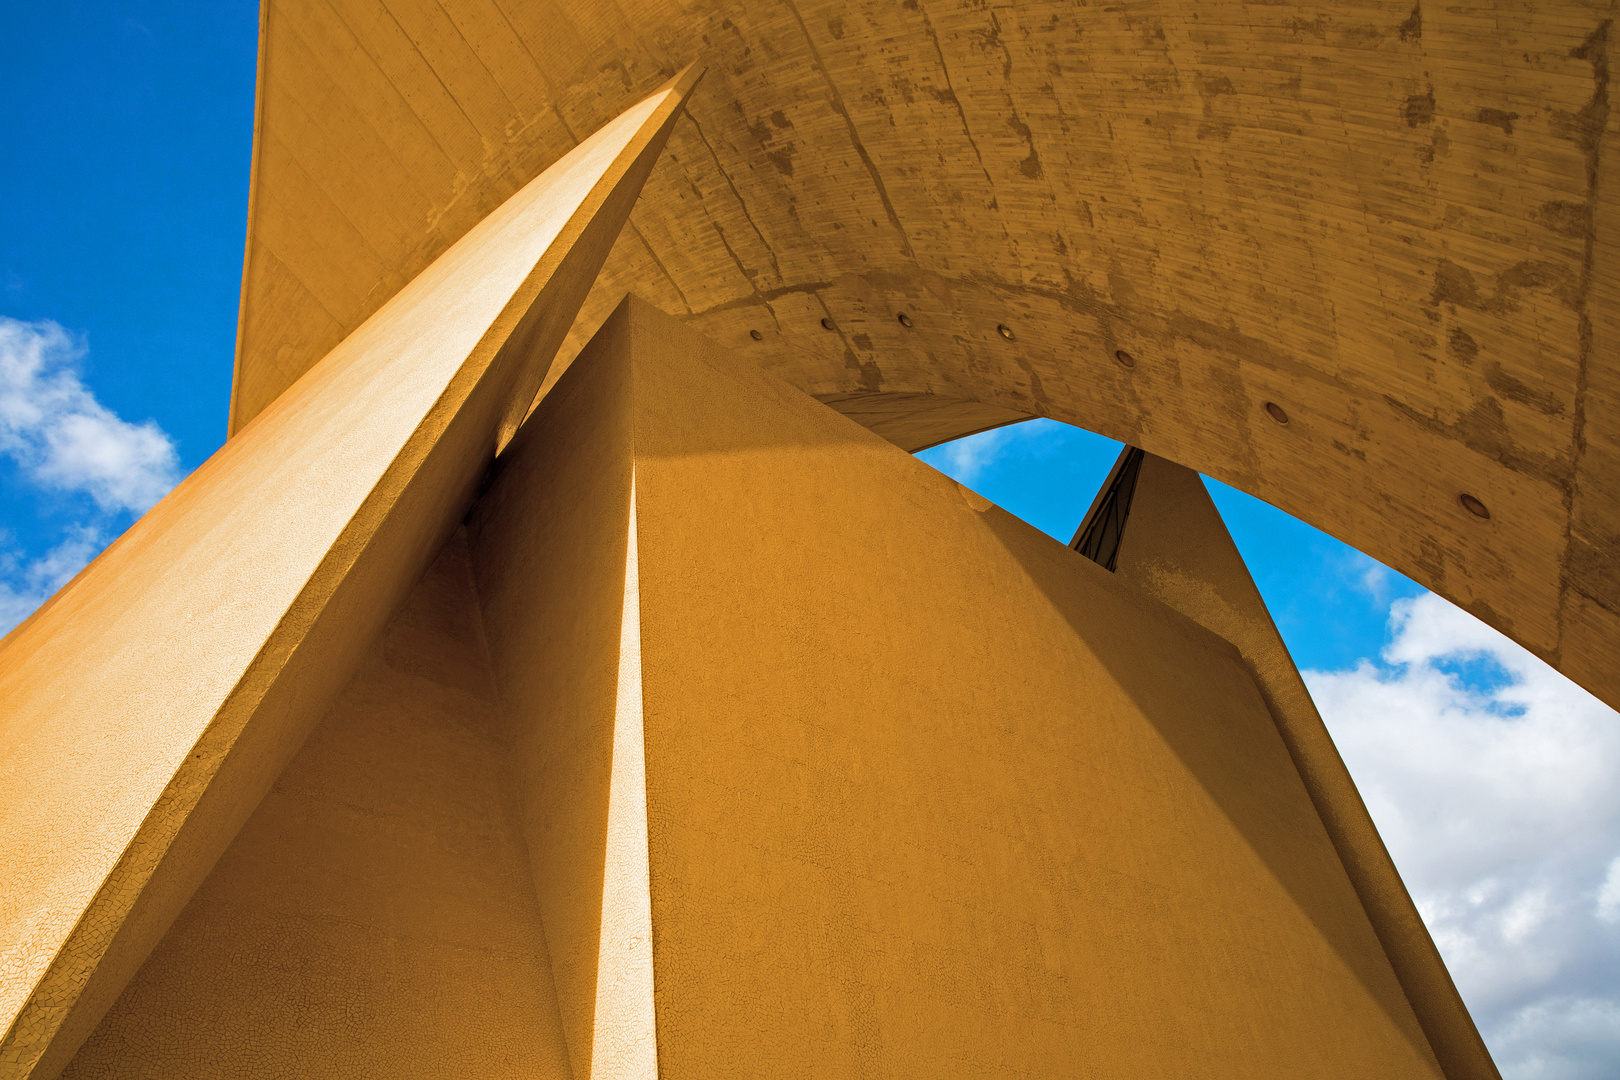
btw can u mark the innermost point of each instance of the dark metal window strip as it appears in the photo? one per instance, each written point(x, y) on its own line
point(1104, 526)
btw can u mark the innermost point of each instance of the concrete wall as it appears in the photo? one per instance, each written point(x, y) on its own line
point(376, 916)
point(927, 793)
point(967, 805)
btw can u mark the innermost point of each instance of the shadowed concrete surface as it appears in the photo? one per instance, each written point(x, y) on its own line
point(1394, 221)
point(376, 915)
point(551, 542)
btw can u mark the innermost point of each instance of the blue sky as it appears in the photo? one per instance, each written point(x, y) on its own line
point(1330, 601)
point(128, 128)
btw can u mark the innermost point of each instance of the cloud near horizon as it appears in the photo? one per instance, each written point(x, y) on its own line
point(64, 440)
point(1492, 780)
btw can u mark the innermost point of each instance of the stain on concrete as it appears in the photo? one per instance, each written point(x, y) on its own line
point(1431, 559)
point(1419, 109)
point(1412, 28)
point(1515, 390)
point(1030, 166)
point(1594, 568)
point(1349, 451)
point(782, 158)
point(871, 377)
point(1483, 429)
point(1461, 345)
point(1316, 28)
point(1555, 278)
point(1036, 390)
point(1585, 128)
point(1455, 284)
point(1498, 118)
point(1573, 220)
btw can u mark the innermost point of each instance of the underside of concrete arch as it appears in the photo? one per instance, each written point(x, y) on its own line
point(1393, 222)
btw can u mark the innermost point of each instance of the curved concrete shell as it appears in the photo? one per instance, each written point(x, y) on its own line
point(1355, 259)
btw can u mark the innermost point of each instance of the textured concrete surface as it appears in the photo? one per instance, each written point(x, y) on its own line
point(927, 794)
point(146, 708)
point(631, 785)
point(1176, 548)
point(376, 916)
point(1393, 219)
point(551, 547)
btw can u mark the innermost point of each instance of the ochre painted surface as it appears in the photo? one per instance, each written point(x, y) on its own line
point(927, 793)
point(1394, 219)
point(1176, 548)
point(550, 544)
point(146, 709)
point(376, 916)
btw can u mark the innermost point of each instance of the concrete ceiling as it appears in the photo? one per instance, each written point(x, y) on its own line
point(1393, 222)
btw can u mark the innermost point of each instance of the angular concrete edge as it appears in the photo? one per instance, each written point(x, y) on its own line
point(247, 239)
point(1175, 546)
point(751, 965)
point(624, 1044)
point(150, 704)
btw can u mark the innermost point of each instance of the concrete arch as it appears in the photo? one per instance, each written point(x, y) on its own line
point(1393, 222)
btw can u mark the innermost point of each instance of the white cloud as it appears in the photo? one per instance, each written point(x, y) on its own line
point(1609, 895)
point(965, 460)
point(62, 437)
point(1374, 578)
point(1494, 782)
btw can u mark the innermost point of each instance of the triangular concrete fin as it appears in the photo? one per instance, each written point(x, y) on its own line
point(146, 708)
point(1173, 544)
point(881, 778)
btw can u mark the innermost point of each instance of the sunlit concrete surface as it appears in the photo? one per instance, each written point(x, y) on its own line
point(149, 705)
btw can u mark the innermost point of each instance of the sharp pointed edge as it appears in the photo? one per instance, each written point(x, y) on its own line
point(152, 703)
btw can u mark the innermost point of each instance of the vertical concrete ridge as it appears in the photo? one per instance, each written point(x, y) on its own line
point(625, 1045)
